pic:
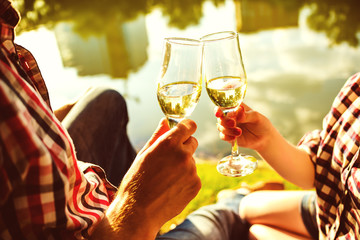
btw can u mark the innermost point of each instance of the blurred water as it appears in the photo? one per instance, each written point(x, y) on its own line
point(293, 72)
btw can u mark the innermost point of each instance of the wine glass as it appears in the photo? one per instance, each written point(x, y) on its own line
point(226, 83)
point(179, 83)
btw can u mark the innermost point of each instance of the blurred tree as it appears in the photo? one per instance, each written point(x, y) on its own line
point(181, 13)
point(338, 19)
point(88, 16)
point(104, 19)
point(93, 16)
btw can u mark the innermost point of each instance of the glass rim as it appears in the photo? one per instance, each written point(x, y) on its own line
point(183, 41)
point(230, 35)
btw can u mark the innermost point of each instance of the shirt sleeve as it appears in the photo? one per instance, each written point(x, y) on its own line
point(15, 145)
point(45, 191)
point(93, 172)
point(32, 70)
point(314, 142)
point(310, 144)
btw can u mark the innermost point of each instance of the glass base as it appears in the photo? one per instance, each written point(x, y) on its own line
point(236, 167)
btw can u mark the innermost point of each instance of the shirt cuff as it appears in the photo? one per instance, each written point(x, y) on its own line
point(90, 167)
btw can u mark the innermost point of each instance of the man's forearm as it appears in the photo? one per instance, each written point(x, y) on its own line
point(106, 230)
point(123, 221)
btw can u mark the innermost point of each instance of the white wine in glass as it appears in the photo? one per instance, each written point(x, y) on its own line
point(179, 83)
point(226, 84)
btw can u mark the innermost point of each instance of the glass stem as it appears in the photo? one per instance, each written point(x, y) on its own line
point(234, 145)
point(173, 122)
point(234, 149)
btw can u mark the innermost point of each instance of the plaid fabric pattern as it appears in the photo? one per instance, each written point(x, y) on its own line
point(8, 13)
point(45, 192)
point(29, 64)
point(335, 153)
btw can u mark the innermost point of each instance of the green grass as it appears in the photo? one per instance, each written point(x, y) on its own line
point(213, 182)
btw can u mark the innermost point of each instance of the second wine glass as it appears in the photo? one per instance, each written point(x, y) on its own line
point(226, 84)
point(179, 83)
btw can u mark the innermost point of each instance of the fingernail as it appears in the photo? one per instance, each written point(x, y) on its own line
point(218, 114)
point(241, 109)
point(230, 123)
point(237, 131)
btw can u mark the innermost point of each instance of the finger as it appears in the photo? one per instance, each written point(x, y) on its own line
point(191, 144)
point(218, 112)
point(226, 122)
point(235, 112)
point(183, 130)
point(230, 115)
point(226, 138)
point(247, 116)
point(243, 112)
point(233, 132)
point(162, 128)
point(246, 107)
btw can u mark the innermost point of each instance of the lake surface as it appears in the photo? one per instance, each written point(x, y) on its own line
point(294, 72)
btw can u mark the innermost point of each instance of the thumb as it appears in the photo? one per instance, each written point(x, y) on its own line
point(162, 128)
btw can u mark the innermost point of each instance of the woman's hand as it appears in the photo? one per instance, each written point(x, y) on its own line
point(253, 130)
point(250, 128)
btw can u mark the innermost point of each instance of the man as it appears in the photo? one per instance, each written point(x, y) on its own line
point(48, 193)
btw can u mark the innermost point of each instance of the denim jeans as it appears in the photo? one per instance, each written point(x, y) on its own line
point(97, 125)
point(219, 221)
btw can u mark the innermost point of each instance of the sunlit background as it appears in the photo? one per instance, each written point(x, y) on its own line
point(297, 55)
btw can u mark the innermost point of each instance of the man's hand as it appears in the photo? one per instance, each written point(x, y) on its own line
point(159, 184)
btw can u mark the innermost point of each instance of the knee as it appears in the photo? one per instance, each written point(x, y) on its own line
point(244, 207)
point(107, 96)
point(108, 102)
point(251, 206)
point(258, 231)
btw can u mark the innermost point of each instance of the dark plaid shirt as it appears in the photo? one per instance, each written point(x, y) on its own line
point(335, 153)
point(45, 192)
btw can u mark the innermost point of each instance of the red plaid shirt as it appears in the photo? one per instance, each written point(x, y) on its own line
point(335, 153)
point(45, 192)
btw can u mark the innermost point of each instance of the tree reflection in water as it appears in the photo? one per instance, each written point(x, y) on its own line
point(338, 19)
point(114, 30)
point(93, 16)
